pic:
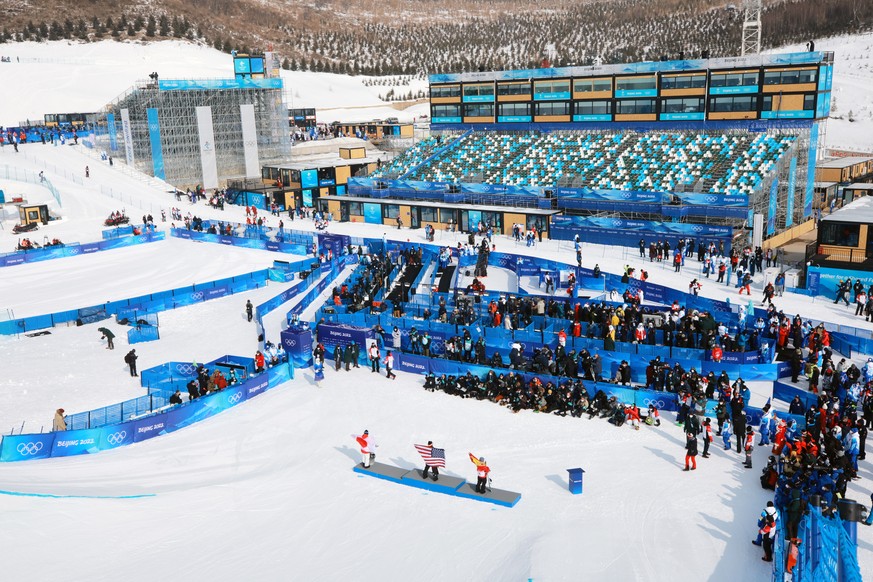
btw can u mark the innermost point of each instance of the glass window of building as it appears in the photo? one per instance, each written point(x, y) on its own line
point(513, 88)
point(553, 108)
point(478, 110)
point(439, 91)
point(635, 83)
point(631, 106)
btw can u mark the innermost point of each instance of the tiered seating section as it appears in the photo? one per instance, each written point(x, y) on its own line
point(722, 163)
point(412, 157)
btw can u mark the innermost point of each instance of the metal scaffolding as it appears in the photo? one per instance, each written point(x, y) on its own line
point(180, 145)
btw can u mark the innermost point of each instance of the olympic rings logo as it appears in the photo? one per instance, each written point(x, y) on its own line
point(186, 369)
point(197, 296)
point(290, 343)
point(116, 438)
point(29, 448)
point(656, 403)
point(235, 398)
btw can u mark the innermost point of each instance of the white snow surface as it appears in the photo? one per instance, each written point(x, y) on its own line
point(266, 490)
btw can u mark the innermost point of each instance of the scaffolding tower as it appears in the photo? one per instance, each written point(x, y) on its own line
point(179, 137)
point(751, 27)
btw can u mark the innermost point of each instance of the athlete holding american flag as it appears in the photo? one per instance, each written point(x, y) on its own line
point(433, 459)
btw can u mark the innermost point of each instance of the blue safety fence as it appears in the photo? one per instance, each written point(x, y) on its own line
point(846, 343)
point(244, 242)
point(75, 249)
point(826, 553)
point(143, 334)
point(334, 268)
point(153, 302)
point(333, 271)
point(135, 421)
point(753, 365)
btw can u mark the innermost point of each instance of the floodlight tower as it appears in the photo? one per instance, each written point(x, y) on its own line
point(751, 27)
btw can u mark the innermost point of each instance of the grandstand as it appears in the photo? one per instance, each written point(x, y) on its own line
point(684, 148)
point(726, 164)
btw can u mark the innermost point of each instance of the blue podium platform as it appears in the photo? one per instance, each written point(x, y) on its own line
point(447, 485)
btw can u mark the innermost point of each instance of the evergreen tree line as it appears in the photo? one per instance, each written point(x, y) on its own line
point(581, 34)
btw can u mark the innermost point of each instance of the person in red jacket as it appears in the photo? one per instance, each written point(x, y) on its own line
point(633, 416)
point(717, 353)
point(259, 362)
point(482, 471)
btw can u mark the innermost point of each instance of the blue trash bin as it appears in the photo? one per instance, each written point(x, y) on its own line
point(576, 480)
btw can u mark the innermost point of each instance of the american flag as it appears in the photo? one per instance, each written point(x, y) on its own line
point(432, 456)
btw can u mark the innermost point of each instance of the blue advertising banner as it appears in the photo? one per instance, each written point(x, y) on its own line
point(789, 212)
point(333, 335)
point(771, 211)
point(411, 363)
point(298, 346)
point(642, 226)
point(155, 138)
point(115, 436)
point(309, 179)
point(809, 194)
point(113, 131)
point(337, 243)
point(77, 442)
point(26, 447)
point(148, 428)
point(213, 84)
point(372, 213)
point(823, 281)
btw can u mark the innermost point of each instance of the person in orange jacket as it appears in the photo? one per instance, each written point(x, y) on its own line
point(749, 446)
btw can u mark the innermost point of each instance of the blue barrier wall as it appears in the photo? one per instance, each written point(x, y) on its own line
point(74, 249)
point(87, 441)
point(152, 302)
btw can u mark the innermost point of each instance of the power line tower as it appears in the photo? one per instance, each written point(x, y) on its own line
point(751, 27)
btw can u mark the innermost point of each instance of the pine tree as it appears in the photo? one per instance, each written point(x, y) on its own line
point(165, 25)
point(286, 64)
point(151, 27)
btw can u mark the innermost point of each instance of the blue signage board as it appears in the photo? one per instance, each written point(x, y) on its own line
point(77, 442)
point(696, 116)
point(113, 131)
point(220, 84)
point(27, 447)
point(372, 213)
point(298, 345)
point(771, 211)
point(446, 120)
point(594, 117)
point(789, 212)
point(514, 118)
point(736, 90)
point(309, 179)
point(787, 114)
point(155, 138)
point(478, 98)
point(559, 96)
point(809, 194)
point(619, 93)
